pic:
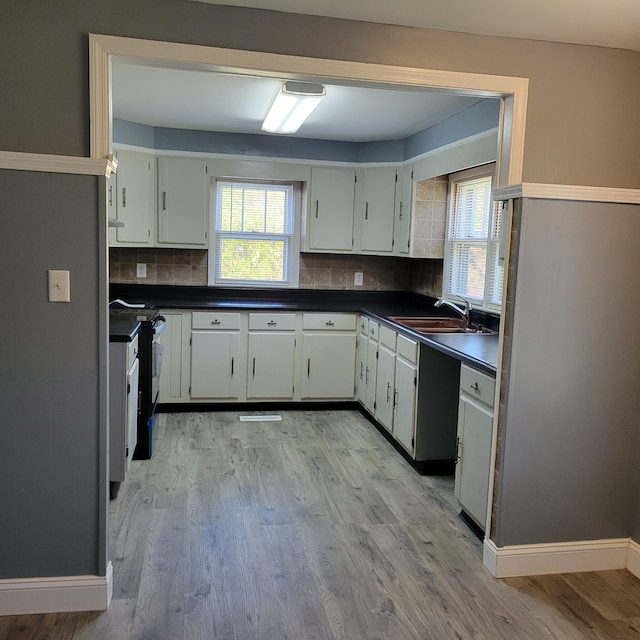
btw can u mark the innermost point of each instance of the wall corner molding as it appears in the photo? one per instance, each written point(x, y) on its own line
point(537, 190)
point(560, 557)
point(21, 596)
point(47, 163)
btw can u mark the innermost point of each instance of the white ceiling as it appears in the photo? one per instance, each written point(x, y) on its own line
point(210, 101)
point(606, 23)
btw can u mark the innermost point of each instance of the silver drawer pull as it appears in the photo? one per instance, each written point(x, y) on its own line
point(272, 323)
point(330, 323)
point(475, 386)
point(215, 322)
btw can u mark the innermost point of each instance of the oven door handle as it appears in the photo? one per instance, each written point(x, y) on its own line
point(159, 325)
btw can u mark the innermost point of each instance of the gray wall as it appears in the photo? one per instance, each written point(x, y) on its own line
point(582, 122)
point(49, 439)
point(482, 116)
point(570, 434)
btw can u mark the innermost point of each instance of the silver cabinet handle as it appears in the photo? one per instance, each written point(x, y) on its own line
point(316, 208)
point(272, 323)
point(395, 398)
point(164, 200)
point(215, 322)
point(110, 195)
point(458, 443)
point(330, 323)
point(400, 215)
point(361, 370)
point(474, 386)
point(124, 196)
point(232, 359)
point(308, 367)
point(388, 392)
point(254, 367)
point(366, 210)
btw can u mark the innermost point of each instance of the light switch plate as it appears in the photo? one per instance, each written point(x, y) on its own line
point(141, 270)
point(59, 286)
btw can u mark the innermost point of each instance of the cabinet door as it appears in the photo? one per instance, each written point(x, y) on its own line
point(135, 198)
point(385, 385)
point(475, 425)
point(132, 410)
point(328, 361)
point(214, 365)
point(378, 211)
point(331, 202)
point(403, 208)
point(371, 372)
point(271, 358)
point(405, 403)
point(171, 375)
point(361, 368)
point(182, 202)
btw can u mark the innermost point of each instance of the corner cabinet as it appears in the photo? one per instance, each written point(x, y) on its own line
point(183, 202)
point(329, 221)
point(474, 440)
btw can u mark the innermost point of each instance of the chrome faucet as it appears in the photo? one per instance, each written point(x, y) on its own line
point(465, 311)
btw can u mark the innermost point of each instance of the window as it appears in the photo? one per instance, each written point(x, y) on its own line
point(472, 269)
point(254, 240)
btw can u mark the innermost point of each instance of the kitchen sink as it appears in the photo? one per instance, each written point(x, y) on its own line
point(440, 324)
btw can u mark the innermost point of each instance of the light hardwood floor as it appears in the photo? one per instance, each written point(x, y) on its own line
point(313, 528)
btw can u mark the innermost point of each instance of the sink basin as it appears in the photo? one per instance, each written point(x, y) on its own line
point(439, 324)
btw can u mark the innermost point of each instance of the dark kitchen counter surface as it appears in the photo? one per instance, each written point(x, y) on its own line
point(480, 351)
point(122, 330)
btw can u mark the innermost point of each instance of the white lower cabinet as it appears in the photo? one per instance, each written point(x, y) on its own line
point(386, 378)
point(124, 368)
point(371, 369)
point(475, 429)
point(215, 356)
point(406, 392)
point(272, 342)
point(328, 356)
point(362, 348)
point(171, 376)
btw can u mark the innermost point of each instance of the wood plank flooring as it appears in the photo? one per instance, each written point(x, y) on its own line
point(313, 528)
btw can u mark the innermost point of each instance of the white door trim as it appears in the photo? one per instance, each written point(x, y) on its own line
point(574, 192)
point(22, 596)
point(103, 48)
point(561, 557)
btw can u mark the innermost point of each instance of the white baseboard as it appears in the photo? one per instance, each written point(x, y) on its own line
point(53, 595)
point(560, 557)
point(633, 559)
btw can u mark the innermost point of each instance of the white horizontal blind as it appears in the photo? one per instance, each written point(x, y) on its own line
point(471, 269)
point(253, 232)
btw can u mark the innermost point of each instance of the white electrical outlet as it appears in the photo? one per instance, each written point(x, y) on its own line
point(141, 270)
point(358, 279)
point(58, 286)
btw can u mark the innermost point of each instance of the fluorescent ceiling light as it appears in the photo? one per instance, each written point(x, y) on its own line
point(292, 106)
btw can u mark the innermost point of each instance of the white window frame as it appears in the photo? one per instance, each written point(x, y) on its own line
point(492, 243)
point(292, 260)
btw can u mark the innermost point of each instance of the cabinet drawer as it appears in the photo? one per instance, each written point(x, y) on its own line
point(407, 348)
point(477, 385)
point(363, 325)
point(211, 320)
point(388, 337)
point(272, 321)
point(329, 321)
point(374, 329)
point(132, 352)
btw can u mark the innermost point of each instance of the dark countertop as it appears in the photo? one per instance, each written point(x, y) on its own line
point(479, 351)
point(123, 330)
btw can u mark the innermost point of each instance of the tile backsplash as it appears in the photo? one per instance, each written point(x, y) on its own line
point(317, 271)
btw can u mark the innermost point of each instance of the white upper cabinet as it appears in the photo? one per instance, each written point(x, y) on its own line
point(131, 198)
point(403, 211)
point(330, 210)
point(183, 198)
point(376, 211)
